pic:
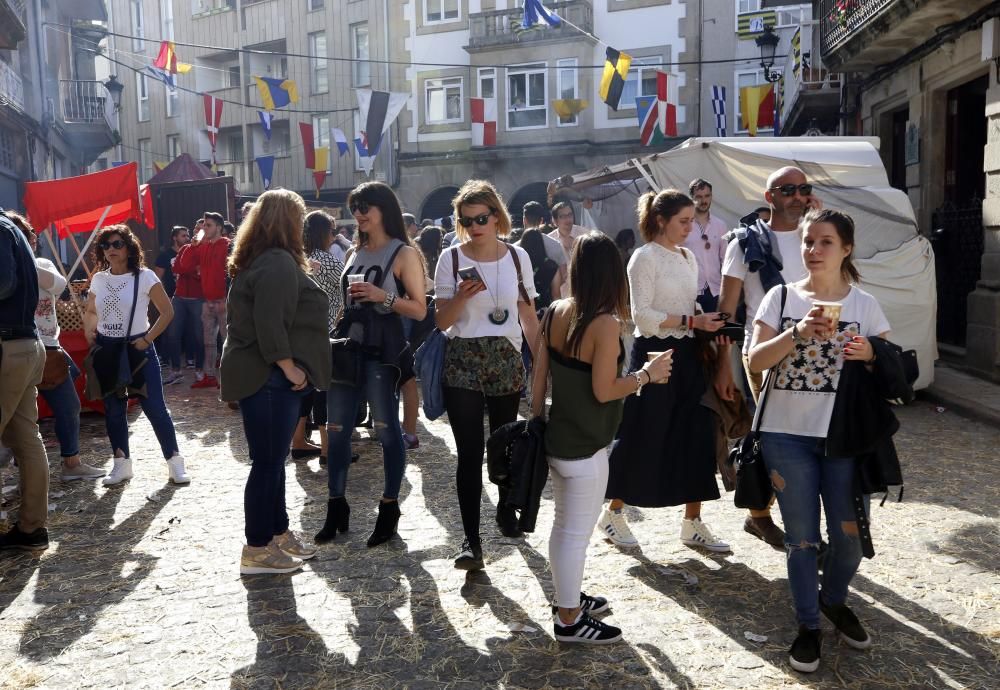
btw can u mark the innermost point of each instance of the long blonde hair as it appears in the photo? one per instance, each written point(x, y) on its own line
point(483, 193)
point(274, 222)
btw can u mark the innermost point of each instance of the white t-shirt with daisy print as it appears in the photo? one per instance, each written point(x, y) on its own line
point(805, 389)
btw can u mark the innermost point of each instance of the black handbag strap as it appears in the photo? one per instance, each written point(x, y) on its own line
point(135, 299)
point(769, 383)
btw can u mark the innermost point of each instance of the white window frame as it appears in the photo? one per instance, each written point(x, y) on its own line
point(172, 99)
point(321, 136)
point(485, 74)
point(444, 84)
point(793, 12)
point(527, 70)
point(361, 61)
point(138, 25)
point(318, 65)
point(737, 114)
point(638, 66)
point(443, 19)
point(561, 66)
point(167, 20)
point(315, 5)
point(142, 97)
point(145, 158)
point(174, 146)
point(231, 137)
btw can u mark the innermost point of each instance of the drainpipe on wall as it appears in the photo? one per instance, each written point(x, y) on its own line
point(391, 180)
point(243, 93)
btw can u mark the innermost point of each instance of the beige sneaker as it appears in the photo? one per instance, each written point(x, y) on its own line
point(291, 545)
point(263, 560)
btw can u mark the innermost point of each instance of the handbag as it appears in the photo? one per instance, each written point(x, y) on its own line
point(753, 487)
point(56, 369)
point(110, 372)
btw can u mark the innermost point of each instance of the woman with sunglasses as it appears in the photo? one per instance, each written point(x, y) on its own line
point(383, 280)
point(666, 450)
point(110, 310)
point(484, 300)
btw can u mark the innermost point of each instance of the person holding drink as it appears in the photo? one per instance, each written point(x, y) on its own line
point(803, 333)
point(665, 454)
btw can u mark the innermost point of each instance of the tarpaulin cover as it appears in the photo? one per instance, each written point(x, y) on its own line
point(71, 202)
point(184, 168)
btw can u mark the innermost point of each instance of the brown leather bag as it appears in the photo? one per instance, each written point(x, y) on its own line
point(56, 369)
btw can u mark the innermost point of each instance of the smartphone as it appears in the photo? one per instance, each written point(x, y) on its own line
point(200, 236)
point(469, 273)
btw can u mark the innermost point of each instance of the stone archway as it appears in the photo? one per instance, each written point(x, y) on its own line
point(534, 191)
point(438, 203)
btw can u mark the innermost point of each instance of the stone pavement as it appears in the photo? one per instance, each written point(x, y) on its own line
point(140, 587)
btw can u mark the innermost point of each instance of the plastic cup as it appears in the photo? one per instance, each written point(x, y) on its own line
point(353, 278)
point(831, 310)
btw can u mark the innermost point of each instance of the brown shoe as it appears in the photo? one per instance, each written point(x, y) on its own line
point(765, 530)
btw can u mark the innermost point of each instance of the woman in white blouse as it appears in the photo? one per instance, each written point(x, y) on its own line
point(665, 455)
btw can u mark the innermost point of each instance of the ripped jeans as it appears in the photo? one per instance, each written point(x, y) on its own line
point(801, 475)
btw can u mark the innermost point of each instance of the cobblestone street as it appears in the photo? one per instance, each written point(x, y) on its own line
point(140, 587)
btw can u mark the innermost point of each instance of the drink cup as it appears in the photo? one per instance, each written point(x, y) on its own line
point(650, 356)
point(831, 310)
point(353, 278)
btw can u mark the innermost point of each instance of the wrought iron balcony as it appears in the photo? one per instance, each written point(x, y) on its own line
point(812, 91)
point(12, 29)
point(11, 87)
point(502, 28)
point(84, 112)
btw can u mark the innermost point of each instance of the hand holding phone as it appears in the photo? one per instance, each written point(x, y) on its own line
point(469, 273)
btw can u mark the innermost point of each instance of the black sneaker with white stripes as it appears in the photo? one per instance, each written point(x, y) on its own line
point(470, 557)
point(586, 630)
point(589, 604)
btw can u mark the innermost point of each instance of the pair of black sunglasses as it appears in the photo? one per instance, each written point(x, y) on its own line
point(804, 189)
point(704, 237)
point(117, 244)
point(360, 206)
point(466, 221)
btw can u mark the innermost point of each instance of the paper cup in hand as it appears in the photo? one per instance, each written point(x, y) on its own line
point(831, 310)
point(650, 356)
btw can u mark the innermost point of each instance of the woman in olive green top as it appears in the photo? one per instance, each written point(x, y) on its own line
point(584, 353)
point(277, 351)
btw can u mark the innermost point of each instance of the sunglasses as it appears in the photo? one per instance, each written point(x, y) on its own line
point(466, 221)
point(361, 206)
point(704, 237)
point(790, 189)
point(116, 244)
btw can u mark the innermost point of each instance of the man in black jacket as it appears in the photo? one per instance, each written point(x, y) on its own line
point(22, 360)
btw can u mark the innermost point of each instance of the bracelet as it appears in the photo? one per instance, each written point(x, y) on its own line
point(795, 333)
point(390, 299)
point(684, 320)
point(638, 382)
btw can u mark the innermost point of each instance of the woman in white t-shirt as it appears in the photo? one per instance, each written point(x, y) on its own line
point(805, 351)
point(108, 316)
point(484, 297)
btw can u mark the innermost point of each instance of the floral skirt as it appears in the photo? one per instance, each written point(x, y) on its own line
point(490, 365)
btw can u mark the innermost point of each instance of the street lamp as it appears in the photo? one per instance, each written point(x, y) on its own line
point(115, 88)
point(768, 44)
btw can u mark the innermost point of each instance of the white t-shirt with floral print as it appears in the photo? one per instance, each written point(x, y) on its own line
point(805, 389)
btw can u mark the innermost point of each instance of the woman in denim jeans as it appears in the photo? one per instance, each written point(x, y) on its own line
point(106, 320)
point(63, 399)
point(826, 320)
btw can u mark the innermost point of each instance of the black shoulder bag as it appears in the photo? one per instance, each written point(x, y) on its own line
point(753, 486)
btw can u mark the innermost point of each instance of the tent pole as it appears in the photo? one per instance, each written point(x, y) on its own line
point(642, 171)
point(77, 247)
point(86, 245)
point(55, 253)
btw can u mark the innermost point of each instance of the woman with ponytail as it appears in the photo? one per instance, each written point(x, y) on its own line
point(665, 454)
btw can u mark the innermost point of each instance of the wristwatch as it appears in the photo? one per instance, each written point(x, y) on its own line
point(796, 337)
point(390, 299)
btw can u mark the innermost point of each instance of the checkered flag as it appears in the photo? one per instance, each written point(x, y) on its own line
point(719, 108)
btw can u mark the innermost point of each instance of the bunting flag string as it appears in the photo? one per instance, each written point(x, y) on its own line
point(163, 76)
point(646, 108)
point(306, 131)
point(213, 118)
point(276, 93)
point(719, 108)
point(166, 60)
point(266, 166)
point(321, 160)
point(337, 135)
point(797, 52)
point(666, 104)
point(568, 108)
point(377, 110)
point(265, 122)
point(484, 121)
point(616, 68)
point(757, 107)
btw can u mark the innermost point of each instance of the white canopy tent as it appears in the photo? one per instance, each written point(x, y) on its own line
point(895, 261)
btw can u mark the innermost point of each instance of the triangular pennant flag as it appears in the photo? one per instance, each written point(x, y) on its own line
point(568, 107)
point(276, 93)
point(536, 14)
point(166, 60)
point(322, 158)
point(616, 67)
point(163, 76)
point(484, 121)
point(266, 165)
point(159, 165)
point(366, 161)
point(306, 130)
point(213, 117)
point(666, 104)
point(378, 110)
point(265, 122)
point(757, 107)
point(647, 108)
point(338, 136)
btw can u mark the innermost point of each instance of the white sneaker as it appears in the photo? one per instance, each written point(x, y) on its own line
point(178, 475)
point(81, 471)
point(121, 471)
point(696, 533)
point(614, 527)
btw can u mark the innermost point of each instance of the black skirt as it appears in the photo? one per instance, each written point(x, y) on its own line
point(665, 453)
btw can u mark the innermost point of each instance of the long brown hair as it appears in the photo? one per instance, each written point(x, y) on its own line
point(136, 261)
point(595, 255)
point(844, 225)
point(666, 204)
point(274, 222)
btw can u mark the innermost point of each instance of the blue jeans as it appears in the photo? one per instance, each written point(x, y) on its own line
point(269, 419)
point(153, 405)
point(186, 325)
point(801, 475)
point(65, 404)
point(378, 387)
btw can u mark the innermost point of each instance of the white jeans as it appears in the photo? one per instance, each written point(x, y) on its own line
point(578, 487)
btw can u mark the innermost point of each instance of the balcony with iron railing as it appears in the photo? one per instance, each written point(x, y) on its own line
point(502, 28)
point(85, 115)
point(811, 91)
point(11, 87)
point(12, 30)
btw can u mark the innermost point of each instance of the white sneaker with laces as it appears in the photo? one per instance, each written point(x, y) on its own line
point(694, 532)
point(614, 527)
point(120, 471)
point(178, 475)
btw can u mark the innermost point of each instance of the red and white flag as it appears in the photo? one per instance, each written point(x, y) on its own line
point(213, 117)
point(484, 121)
point(666, 103)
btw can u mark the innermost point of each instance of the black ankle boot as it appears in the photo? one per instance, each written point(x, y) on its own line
point(507, 521)
point(338, 515)
point(385, 526)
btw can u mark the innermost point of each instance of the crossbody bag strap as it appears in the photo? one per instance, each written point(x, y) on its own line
point(135, 299)
point(454, 264)
point(520, 280)
point(769, 384)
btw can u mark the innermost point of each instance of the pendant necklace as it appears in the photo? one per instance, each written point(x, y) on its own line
point(499, 315)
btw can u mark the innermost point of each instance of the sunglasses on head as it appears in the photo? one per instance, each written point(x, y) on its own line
point(804, 189)
point(360, 206)
point(466, 221)
point(116, 244)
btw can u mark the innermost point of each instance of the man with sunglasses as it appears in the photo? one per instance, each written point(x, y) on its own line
point(706, 243)
point(789, 195)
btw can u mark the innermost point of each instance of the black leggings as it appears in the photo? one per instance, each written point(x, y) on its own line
point(465, 414)
point(314, 404)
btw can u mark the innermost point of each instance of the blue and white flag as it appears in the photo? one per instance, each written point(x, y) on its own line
point(535, 13)
point(266, 165)
point(265, 122)
point(163, 76)
point(719, 108)
point(340, 139)
point(364, 157)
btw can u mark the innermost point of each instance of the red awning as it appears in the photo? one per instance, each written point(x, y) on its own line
point(75, 204)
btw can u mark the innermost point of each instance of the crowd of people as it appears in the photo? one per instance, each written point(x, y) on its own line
point(314, 333)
